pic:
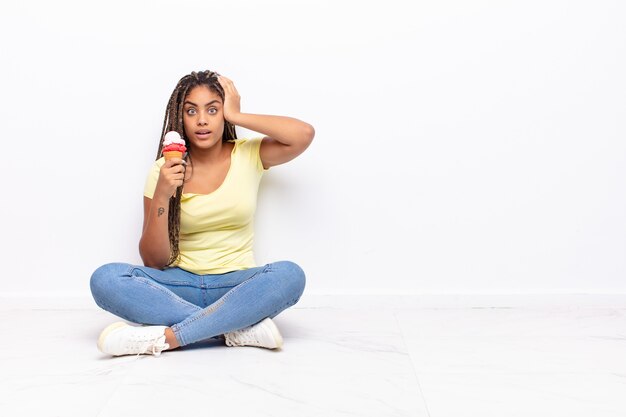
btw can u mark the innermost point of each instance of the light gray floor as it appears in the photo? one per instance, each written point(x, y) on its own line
point(341, 357)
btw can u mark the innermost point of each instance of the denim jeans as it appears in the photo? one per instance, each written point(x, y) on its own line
point(197, 307)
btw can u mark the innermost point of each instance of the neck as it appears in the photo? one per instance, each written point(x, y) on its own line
point(211, 155)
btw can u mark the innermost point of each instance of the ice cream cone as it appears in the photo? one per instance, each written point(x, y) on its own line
point(172, 154)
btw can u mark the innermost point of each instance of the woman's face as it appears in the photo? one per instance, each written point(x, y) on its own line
point(202, 113)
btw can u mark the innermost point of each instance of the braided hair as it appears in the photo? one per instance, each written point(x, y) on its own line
point(174, 121)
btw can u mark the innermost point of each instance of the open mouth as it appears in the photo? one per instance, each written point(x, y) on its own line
point(203, 133)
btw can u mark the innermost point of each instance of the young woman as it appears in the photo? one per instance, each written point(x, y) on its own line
point(200, 279)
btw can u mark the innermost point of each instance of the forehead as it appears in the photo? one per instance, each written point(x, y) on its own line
point(201, 94)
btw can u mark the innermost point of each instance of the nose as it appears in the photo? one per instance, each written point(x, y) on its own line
point(202, 119)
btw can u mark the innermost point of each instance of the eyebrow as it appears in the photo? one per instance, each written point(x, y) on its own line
point(210, 102)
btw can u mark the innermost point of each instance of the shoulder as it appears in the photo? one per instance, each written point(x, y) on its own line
point(247, 142)
point(156, 165)
point(249, 148)
point(159, 162)
point(249, 145)
point(152, 177)
point(155, 168)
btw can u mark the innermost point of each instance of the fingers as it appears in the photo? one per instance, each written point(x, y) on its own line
point(175, 165)
point(175, 161)
point(177, 181)
point(177, 173)
point(226, 83)
point(172, 176)
point(173, 173)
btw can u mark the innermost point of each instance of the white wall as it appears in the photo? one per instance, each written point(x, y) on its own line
point(460, 146)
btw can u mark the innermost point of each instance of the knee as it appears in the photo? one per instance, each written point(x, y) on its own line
point(293, 277)
point(103, 280)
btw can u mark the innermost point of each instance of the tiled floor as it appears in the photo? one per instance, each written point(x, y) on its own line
point(339, 359)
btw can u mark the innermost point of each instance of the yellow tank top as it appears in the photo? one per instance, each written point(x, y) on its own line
point(217, 229)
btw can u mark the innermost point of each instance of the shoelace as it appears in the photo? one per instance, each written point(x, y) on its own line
point(157, 346)
point(243, 336)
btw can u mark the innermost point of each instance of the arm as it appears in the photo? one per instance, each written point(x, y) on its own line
point(154, 245)
point(286, 130)
point(286, 137)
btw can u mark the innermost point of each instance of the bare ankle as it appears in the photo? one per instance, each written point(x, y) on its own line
point(170, 338)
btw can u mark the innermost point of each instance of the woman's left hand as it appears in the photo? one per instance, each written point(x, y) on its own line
point(232, 106)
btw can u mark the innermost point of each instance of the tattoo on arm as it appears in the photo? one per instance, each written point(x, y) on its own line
point(161, 210)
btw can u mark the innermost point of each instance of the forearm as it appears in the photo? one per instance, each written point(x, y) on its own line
point(284, 129)
point(154, 245)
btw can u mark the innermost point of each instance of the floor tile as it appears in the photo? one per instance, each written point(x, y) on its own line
point(334, 362)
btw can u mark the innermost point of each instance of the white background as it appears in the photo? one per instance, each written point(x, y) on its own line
point(461, 147)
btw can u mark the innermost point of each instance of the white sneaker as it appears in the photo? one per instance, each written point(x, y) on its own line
point(262, 334)
point(122, 339)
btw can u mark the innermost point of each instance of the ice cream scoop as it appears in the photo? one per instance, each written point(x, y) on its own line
point(173, 145)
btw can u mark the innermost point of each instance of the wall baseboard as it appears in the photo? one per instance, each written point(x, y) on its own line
point(392, 300)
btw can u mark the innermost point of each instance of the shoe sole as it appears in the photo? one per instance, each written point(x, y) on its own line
point(277, 336)
point(107, 331)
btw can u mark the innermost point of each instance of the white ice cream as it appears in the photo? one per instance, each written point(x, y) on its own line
point(172, 137)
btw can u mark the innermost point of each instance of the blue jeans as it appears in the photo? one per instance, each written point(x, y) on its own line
point(197, 307)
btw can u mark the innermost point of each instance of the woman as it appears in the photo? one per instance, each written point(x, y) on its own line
point(199, 278)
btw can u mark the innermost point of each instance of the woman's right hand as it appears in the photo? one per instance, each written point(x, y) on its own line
point(171, 177)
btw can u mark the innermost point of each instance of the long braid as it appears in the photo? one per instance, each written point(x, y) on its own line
point(173, 120)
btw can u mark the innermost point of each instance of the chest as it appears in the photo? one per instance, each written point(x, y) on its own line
point(206, 180)
point(222, 198)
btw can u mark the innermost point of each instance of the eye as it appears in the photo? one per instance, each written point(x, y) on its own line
point(213, 108)
point(191, 111)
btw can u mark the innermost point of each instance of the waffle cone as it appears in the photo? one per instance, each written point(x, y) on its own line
point(172, 154)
